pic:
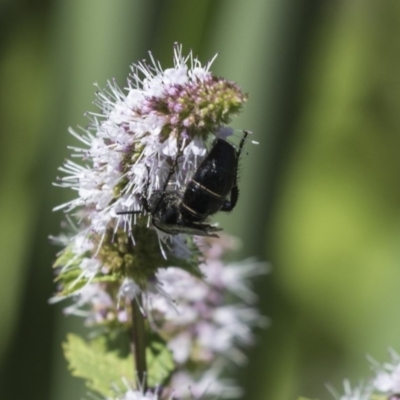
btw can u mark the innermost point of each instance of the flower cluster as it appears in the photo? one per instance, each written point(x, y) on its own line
point(144, 146)
point(199, 323)
point(148, 137)
point(163, 118)
point(387, 376)
point(205, 322)
point(115, 259)
point(384, 384)
point(360, 392)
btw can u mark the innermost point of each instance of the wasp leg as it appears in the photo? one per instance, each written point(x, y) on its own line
point(188, 228)
point(229, 205)
point(172, 170)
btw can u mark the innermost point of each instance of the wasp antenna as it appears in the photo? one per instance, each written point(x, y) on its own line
point(242, 142)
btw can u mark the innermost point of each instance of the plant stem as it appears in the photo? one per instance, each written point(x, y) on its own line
point(138, 344)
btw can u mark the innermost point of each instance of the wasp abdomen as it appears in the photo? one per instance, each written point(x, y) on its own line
point(212, 182)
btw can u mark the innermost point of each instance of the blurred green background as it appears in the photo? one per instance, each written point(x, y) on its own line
point(320, 195)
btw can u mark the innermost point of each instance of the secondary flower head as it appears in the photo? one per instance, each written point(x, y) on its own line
point(204, 322)
point(162, 120)
point(387, 376)
point(360, 392)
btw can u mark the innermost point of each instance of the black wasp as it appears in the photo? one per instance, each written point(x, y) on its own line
point(212, 188)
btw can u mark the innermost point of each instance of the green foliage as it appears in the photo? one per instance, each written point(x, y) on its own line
point(122, 259)
point(159, 363)
point(191, 261)
point(68, 257)
point(102, 369)
point(71, 283)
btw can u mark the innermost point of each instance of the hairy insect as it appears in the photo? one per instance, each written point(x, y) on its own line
point(212, 188)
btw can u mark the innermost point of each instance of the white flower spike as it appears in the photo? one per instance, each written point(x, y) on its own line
point(147, 161)
point(129, 147)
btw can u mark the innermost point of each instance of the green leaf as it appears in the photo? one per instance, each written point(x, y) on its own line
point(160, 364)
point(71, 283)
point(68, 256)
point(101, 369)
point(189, 263)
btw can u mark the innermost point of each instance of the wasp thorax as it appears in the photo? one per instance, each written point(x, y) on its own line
point(213, 187)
